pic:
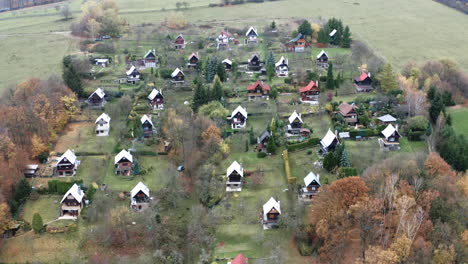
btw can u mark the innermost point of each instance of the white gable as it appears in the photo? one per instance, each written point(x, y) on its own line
point(145, 118)
point(389, 130)
point(140, 187)
point(321, 53)
point(99, 93)
point(149, 52)
point(123, 154)
point(130, 71)
point(235, 166)
point(281, 62)
point(175, 72)
point(74, 191)
point(251, 29)
point(153, 94)
point(241, 110)
point(328, 139)
point(272, 203)
point(105, 117)
point(227, 61)
point(310, 178)
point(387, 118)
point(293, 117)
point(69, 155)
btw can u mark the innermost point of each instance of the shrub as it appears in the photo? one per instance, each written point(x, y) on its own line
point(288, 80)
point(307, 144)
point(61, 187)
point(165, 73)
point(347, 172)
point(37, 223)
point(261, 155)
point(105, 48)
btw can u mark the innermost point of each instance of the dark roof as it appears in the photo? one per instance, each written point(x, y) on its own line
point(264, 135)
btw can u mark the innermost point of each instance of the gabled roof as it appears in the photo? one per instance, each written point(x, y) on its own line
point(194, 54)
point(362, 77)
point(130, 71)
point(74, 191)
point(227, 61)
point(328, 139)
point(153, 94)
point(264, 135)
point(309, 87)
point(332, 33)
point(101, 60)
point(149, 52)
point(387, 118)
point(281, 62)
point(258, 83)
point(239, 259)
point(272, 203)
point(389, 130)
point(123, 154)
point(299, 36)
point(145, 118)
point(253, 56)
point(239, 109)
point(251, 29)
point(293, 117)
point(224, 34)
point(176, 71)
point(180, 36)
point(140, 187)
point(69, 155)
point(99, 92)
point(345, 108)
point(105, 117)
point(235, 166)
point(321, 54)
point(310, 178)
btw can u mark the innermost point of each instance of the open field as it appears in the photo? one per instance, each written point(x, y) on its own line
point(459, 119)
point(45, 206)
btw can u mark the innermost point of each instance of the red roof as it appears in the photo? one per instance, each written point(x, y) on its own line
point(309, 87)
point(362, 77)
point(252, 87)
point(240, 259)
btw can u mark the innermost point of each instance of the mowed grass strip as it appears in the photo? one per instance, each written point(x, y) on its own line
point(459, 119)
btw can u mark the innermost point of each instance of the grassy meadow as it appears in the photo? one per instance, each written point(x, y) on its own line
point(459, 119)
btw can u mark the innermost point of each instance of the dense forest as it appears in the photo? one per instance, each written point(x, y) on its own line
point(461, 5)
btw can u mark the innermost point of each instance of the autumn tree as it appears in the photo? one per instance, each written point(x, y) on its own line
point(388, 79)
point(37, 146)
point(65, 12)
point(4, 216)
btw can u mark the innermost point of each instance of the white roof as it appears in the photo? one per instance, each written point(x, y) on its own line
point(32, 166)
point(105, 117)
point(101, 60)
point(131, 70)
point(99, 92)
point(293, 117)
point(145, 118)
point(321, 53)
point(387, 118)
point(272, 203)
point(140, 187)
point(76, 192)
point(153, 94)
point(250, 29)
point(176, 71)
point(235, 166)
point(281, 62)
point(389, 130)
point(328, 139)
point(332, 33)
point(69, 155)
point(150, 51)
point(310, 178)
point(228, 61)
point(241, 110)
point(123, 154)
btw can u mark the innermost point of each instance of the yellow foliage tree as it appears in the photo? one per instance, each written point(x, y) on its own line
point(176, 21)
point(38, 146)
point(4, 216)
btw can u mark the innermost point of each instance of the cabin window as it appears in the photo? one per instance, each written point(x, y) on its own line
point(271, 216)
point(313, 188)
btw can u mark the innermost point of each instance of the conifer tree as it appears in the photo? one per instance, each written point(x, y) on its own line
point(217, 91)
point(306, 29)
point(330, 80)
point(388, 79)
point(346, 39)
point(271, 145)
point(323, 36)
point(37, 223)
point(199, 96)
point(252, 138)
point(71, 77)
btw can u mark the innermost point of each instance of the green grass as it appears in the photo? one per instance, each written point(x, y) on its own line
point(459, 120)
point(45, 206)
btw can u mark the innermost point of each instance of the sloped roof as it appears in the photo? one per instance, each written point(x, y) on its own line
point(153, 94)
point(387, 118)
point(228, 61)
point(264, 135)
point(310, 178)
point(328, 139)
point(272, 203)
point(293, 117)
point(76, 192)
point(176, 71)
point(258, 83)
point(299, 36)
point(321, 54)
point(251, 29)
point(180, 36)
point(239, 109)
point(253, 56)
point(345, 108)
point(69, 155)
point(145, 118)
point(105, 117)
point(239, 259)
point(140, 187)
point(194, 54)
point(389, 130)
point(99, 92)
point(361, 77)
point(101, 60)
point(123, 154)
point(332, 33)
point(149, 52)
point(235, 166)
point(282, 61)
point(130, 71)
point(309, 87)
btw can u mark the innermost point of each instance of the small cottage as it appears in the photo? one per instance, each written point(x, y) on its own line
point(322, 59)
point(30, 171)
point(147, 126)
point(262, 141)
point(72, 203)
point(239, 259)
point(103, 125)
point(282, 67)
point(234, 176)
point(386, 119)
point(311, 186)
point(297, 44)
point(254, 63)
point(349, 113)
point(150, 60)
point(329, 142)
point(294, 128)
point(391, 140)
point(251, 36)
point(193, 60)
point(156, 100)
point(227, 64)
point(140, 197)
point(258, 90)
point(271, 213)
point(123, 163)
point(363, 82)
point(177, 76)
point(223, 40)
point(133, 75)
point(67, 164)
point(101, 62)
point(179, 42)
point(97, 98)
point(238, 118)
point(310, 93)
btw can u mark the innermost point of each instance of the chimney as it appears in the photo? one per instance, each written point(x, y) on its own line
point(316, 82)
point(336, 133)
point(368, 74)
point(396, 127)
point(318, 177)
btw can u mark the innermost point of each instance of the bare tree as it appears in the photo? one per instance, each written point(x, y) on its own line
point(65, 12)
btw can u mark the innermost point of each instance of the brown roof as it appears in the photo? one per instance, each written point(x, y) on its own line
point(345, 108)
point(311, 86)
point(265, 87)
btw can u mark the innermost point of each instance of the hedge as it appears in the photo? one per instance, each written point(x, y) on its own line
point(145, 153)
point(287, 168)
point(261, 155)
point(307, 144)
point(61, 187)
point(363, 133)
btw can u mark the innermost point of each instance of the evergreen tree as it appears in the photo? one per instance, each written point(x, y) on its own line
point(329, 162)
point(273, 25)
point(306, 29)
point(200, 96)
point(431, 93)
point(217, 91)
point(37, 223)
point(330, 80)
point(246, 145)
point(220, 71)
point(344, 161)
point(437, 105)
point(273, 93)
point(346, 39)
point(210, 69)
point(388, 79)
point(71, 77)
point(136, 167)
point(270, 58)
point(271, 145)
point(323, 36)
point(252, 138)
point(270, 65)
point(22, 191)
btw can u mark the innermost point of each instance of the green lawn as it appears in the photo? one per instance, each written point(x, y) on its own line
point(45, 206)
point(459, 119)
